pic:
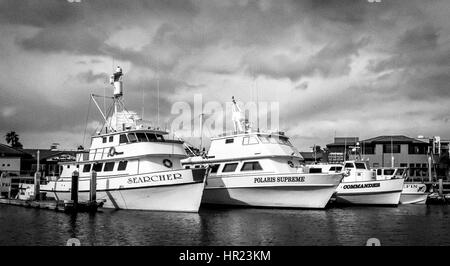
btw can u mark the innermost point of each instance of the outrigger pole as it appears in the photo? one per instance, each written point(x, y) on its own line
point(100, 110)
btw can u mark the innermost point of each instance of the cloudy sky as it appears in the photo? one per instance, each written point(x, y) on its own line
point(344, 68)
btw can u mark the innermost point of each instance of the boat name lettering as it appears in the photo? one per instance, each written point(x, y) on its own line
point(154, 178)
point(361, 186)
point(279, 179)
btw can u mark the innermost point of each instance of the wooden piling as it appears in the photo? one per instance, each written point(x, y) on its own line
point(37, 186)
point(74, 189)
point(441, 187)
point(430, 172)
point(93, 187)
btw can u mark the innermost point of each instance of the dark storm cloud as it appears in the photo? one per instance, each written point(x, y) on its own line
point(302, 46)
point(424, 37)
point(65, 39)
point(416, 47)
point(332, 60)
point(34, 112)
point(429, 87)
point(90, 77)
point(83, 28)
point(423, 62)
point(39, 13)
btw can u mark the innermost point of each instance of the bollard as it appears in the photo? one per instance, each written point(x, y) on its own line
point(37, 186)
point(93, 188)
point(74, 189)
point(441, 187)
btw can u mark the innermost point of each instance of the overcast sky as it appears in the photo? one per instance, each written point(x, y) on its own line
point(344, 68)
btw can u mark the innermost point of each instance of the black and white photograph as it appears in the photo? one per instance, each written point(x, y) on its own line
point(249, 124)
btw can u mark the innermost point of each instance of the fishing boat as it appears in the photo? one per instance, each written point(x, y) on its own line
point(137, 167)
point(360, 185)
point(412, 193)
point(256, 168)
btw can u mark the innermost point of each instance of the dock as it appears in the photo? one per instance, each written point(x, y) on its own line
point(60, 206)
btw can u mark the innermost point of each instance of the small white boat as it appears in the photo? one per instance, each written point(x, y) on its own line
point(361, 186)
point(253, 168)
point(413, 192)
point(138, 167)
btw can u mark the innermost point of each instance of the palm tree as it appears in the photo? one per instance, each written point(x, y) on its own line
point(13, 138)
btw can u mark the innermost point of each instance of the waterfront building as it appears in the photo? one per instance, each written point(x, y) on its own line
point(48, 161)
point(391, 151)
point(11, 159)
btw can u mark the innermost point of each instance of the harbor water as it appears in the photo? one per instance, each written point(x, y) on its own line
point(405, 225)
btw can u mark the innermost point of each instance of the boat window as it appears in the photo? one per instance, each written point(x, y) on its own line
point(132, 137)
point(151, 137)
point(249, 140)
point(111, 138)
point(338, 168)
point(251, 166)
point(160, 137)
point(315, 170)
point(104, 139)
point(400, 171)
point(263, 139)
point(348, 165)
point(86, 168)
point(215, 168)
point(230, 167)
point(284, 140)
point(197, 166)
point(227, 141)
point(389, 171)
point(332, 168)
point(141, 137)
point(187, 167)
point(122, 165)
point(272, 139)
point(97, 167)
point(360, 165)
point(109, 166)
point(378, 171)
point(123, 138)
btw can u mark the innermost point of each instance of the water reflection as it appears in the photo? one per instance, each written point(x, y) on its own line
point(405, 225)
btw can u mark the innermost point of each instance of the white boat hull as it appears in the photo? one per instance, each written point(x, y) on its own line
point(414, 193)
point(375, 192)
point(272, 190)
point(183, 195)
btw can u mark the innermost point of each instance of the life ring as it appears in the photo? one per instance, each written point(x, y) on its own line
point(112, 152)
point(291, 164)
point(167, 163)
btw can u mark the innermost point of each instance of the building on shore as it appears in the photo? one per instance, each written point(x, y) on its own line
point(24, 162)
point(392, 151)
point(48, 161)
point(17, 167)
point(12, 160)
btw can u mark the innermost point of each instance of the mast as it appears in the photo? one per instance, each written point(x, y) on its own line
point(201, 131)
point(236, 117)
point(116, 81)
point(392, 153)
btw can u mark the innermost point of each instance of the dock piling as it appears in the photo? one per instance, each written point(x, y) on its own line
point(74, 189)
point(37, 186)
point(93, 187)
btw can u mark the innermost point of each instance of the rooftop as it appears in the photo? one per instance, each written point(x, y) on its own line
point(6, 150)
point(47, 153)
point(395, 139)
